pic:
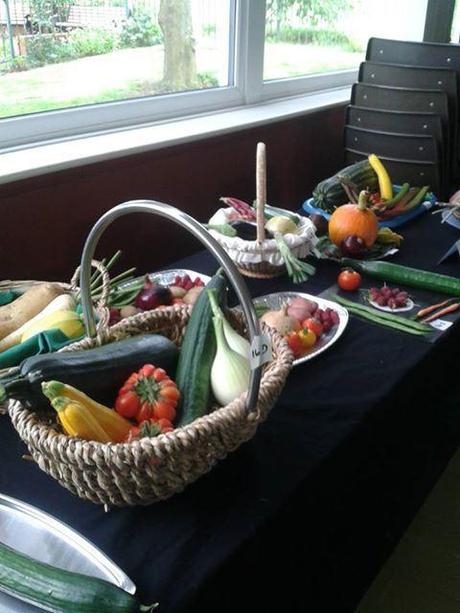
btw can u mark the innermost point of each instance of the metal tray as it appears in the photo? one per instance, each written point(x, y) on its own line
point(276, 301)
point(41, 536)
point(165, 277)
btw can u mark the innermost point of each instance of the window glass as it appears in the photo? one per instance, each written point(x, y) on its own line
point(316, 36)
point(64, 53)
point(455, 32)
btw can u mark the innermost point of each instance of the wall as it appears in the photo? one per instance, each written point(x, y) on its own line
point(45, 220)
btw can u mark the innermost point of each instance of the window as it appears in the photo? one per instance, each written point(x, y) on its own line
point(69, 67)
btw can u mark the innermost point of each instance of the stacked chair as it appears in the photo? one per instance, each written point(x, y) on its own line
point(404, 109)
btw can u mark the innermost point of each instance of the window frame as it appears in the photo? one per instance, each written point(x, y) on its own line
point(247, 87)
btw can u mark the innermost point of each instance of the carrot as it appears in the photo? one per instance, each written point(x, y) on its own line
point(433, 307)
point(446, 311)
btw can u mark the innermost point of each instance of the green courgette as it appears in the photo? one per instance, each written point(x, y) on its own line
point(329, 194)
point(60, 591)
point(193, 375)
point(98, 372)
point(404, 275)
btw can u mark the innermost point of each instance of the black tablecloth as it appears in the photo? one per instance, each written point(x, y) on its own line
point(300, 517)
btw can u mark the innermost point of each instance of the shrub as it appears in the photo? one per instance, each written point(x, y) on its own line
point(45, 49)
point(140, 31)
point(313, 36)
point(92, 41)
point(207, 79)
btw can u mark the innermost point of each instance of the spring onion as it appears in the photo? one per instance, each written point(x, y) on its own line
point(298, 271)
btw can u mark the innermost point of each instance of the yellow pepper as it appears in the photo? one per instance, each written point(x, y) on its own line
point(77, 420)
point(116, 426)
point(385, 185)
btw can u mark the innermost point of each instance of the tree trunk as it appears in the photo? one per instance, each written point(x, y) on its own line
point(175, 19)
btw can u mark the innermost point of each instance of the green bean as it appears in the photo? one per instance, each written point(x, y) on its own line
point(384, 319)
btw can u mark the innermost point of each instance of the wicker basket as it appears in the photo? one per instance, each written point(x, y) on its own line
point(151, 469)
point(261, 258)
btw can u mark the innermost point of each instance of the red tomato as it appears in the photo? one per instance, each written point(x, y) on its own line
point(349, 280)
point(314, 325)
point(295, 344)
point(164, 410)
point(127, 404)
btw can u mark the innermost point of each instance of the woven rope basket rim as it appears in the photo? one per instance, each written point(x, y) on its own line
point(226, 427)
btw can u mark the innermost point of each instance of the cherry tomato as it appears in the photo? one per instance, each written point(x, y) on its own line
point(311, 323)
point(307, 338)
point(127, 404)
point(295, 344)
point(349, 280)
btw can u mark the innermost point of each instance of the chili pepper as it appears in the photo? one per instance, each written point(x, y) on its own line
point(147, 394)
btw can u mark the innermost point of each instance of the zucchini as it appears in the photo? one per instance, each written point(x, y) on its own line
point(193, 375)
point(97, 372)
point(57, 590)
point(406, 276)
point(329, 194)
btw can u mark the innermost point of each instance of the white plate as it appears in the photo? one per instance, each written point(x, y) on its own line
point(43, 537)
point(409, 306)
point(166, 277)
point(276, 301)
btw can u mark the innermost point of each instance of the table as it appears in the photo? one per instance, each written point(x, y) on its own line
point(301, 516)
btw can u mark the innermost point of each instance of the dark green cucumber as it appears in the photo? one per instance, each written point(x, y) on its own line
point(404, 275)
point(193, 375)
point(98, 372)
point(329, 194)
point(57, 590)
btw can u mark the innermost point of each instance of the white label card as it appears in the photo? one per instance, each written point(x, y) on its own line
point(261, 351)
point(441, 324)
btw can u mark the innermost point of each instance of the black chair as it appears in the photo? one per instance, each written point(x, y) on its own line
point(416, 173)
point(417, 77)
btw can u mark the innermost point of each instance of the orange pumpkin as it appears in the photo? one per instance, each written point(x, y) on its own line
point(354, 219)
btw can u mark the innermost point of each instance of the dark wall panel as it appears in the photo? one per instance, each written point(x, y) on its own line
point(45, 220)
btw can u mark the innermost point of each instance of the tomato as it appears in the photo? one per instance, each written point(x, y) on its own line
point(164, 410)
point(165, 425)
point(148, 394)
point(313, 324)
point(307, 338)
point(349, 280)
point(295, 344)
point(127, 404)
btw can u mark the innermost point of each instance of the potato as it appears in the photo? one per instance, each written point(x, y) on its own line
point(192, 295)
point(21, 310)
point(177, 292)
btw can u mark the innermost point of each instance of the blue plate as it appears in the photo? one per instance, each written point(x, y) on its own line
point(310, 208)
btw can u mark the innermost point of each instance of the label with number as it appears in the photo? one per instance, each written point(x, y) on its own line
point(261, 351)
point(441, 324)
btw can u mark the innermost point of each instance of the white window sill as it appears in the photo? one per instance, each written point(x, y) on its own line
point(60, 155)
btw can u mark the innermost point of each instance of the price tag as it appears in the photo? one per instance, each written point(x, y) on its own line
point(261, 351)
point(441, 324)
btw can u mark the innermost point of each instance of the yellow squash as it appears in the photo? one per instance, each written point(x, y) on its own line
point(68, 322)
point(385, 185)
point(116, 426)
point(77, 420)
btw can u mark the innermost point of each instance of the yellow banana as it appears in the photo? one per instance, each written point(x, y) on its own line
point(385, 185)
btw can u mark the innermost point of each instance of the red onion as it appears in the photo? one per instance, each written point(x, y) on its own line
point(151, 296)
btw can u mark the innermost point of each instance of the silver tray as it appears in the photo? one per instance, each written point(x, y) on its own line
point(276, 301)
point(165, 277)
point(41, 536)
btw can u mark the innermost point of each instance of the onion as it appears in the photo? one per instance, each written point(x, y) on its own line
point(301, 308)
point(280, 321)
point(151, 296)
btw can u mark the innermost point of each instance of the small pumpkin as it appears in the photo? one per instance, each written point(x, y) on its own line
point(354, 219)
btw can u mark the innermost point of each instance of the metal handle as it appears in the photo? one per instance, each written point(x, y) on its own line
point(193, 226)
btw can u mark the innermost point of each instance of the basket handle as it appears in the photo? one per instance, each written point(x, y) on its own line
point(261, 190)
point(195, 228)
